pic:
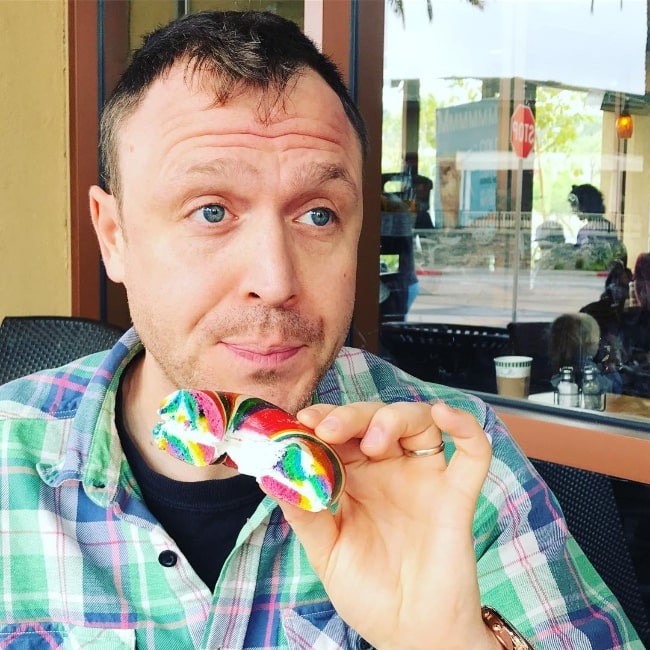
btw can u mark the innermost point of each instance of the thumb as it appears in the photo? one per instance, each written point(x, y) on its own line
point(317, 532)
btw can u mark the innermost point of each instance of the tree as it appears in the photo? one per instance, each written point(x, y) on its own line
point(563, 126)
point(398, 7)
point(452, 92)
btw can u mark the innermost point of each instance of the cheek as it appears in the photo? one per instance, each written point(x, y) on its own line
point(334, 285)
point(161, 272)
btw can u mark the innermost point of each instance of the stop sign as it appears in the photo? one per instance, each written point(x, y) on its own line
point(522, 130)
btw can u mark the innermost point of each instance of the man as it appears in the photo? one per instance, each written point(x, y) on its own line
point(233, 161)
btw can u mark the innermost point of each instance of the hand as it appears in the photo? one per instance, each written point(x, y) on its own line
point(397, 558)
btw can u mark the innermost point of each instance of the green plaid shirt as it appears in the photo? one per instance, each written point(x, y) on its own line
point(85, 564)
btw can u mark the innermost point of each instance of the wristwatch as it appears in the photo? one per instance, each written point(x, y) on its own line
point(506, 635)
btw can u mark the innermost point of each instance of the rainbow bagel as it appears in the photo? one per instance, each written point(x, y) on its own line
point(257, 438)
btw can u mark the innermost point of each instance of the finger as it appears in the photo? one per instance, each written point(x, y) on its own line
point(339, 424)
point(400, 427)
point(313, 414)
point(347, 451)
point(386, 430)
point(316, 531)
point(468, 467)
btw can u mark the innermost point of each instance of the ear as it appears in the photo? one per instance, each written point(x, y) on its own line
point(108, 227)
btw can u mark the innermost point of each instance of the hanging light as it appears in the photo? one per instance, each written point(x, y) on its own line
point(624, 124)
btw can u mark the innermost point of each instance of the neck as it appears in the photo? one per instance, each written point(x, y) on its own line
point(141, 395)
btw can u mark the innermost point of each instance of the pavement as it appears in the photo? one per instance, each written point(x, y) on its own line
point(487, 297)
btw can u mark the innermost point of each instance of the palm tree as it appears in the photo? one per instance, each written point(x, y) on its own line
point(398, 7)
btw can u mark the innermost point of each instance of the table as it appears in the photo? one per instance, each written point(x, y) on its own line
point(619, 404)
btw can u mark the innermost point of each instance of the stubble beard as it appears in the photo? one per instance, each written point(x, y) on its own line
point(189, 371)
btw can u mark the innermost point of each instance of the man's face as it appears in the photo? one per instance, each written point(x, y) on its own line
point(237, 239)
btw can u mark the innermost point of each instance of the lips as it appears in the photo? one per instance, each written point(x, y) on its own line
point(269, 356)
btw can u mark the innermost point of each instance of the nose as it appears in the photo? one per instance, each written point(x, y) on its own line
point(270, 275)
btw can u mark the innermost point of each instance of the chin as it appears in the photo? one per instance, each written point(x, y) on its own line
point(288, 398)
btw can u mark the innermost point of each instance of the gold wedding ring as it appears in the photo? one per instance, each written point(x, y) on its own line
point(420, 453)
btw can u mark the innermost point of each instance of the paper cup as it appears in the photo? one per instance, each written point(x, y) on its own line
point(513, 375)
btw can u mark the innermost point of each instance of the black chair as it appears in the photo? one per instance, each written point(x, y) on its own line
point(532, 339)
point(461, 356)
point(394, 307)
point(592, 514)
point(32, 343)
point(397, 240)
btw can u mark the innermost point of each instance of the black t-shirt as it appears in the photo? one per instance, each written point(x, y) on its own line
point(204, 518)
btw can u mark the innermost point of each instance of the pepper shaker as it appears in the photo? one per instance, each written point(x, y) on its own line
point(593, 396)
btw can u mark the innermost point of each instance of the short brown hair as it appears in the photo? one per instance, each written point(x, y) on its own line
point(574, 340)
point(239, 50)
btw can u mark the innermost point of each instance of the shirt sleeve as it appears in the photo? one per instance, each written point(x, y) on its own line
point(530, 568)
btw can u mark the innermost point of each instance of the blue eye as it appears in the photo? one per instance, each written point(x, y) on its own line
point(318, 216)
point(213, 213)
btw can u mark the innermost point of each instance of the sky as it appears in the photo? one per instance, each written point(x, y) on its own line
point(540, 40)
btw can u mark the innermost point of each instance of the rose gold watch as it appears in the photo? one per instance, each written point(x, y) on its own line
point(506, 635)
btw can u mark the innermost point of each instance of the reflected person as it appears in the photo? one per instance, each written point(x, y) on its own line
point(598, 236)
point(635, 331)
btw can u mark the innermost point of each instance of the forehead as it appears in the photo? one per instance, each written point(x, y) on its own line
point(180, 106)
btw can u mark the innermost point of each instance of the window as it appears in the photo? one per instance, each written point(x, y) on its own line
point(514, 162)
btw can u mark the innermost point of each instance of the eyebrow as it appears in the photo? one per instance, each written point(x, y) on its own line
point(221, 166)
point(324, 173)
point(315, 172)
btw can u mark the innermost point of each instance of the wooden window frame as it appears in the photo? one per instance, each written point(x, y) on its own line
point(85, 261)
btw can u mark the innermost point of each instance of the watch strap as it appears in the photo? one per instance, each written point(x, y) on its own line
point(505, 634)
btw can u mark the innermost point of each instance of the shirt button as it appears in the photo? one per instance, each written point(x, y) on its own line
point(168, 558)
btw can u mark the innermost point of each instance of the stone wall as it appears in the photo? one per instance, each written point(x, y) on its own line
point(490, 242)
point(496, 242)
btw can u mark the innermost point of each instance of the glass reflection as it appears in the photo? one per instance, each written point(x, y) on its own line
point(513, 184)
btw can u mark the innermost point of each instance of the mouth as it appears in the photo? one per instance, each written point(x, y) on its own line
point(271, 356)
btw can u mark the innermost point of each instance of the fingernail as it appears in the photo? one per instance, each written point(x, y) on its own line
point(329, 424)
point(309, 412)
point(373, 439)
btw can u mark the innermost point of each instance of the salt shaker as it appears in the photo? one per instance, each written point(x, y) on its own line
point(566, 392)
point(593, 396)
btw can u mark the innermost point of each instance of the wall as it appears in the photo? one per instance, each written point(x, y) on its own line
point(598, 446)
point(34, 186)
point(147, 16)
point(636, 227)
point(144, 17)
point(637, 219)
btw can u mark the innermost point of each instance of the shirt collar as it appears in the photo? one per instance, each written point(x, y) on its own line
point(93, 454)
